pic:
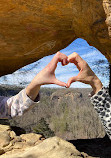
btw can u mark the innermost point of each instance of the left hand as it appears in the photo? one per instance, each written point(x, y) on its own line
point(47, 75)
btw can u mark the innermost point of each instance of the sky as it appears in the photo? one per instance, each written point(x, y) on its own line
point(90, 54)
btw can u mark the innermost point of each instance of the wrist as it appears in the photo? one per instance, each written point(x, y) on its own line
point(32, 91)
point(96, 84)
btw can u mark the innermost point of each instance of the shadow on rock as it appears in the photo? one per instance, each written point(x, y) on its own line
point(18, 130)
point(97, 147)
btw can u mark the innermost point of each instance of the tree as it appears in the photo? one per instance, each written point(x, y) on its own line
point(43, 128)
point(103, 67)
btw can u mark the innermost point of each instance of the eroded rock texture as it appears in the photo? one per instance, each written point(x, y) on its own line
point(31, 29)
point(107, 8)
point(33, 146)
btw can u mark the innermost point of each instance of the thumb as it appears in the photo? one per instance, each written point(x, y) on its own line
point(60, 83)
point(71, 80)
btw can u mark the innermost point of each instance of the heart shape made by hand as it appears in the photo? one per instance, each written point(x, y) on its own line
point(47, 75)
point(85, 75)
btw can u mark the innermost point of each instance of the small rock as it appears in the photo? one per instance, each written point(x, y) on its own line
point(31, 138)
point(2, 151)
point(4, 139)
point(18, 145)
point(4, 128)
point(12, 134)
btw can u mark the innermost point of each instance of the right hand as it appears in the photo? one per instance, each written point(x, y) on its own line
point(85, 75)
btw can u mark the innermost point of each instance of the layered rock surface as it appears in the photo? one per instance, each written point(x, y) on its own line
point(107, 8)
point(10, 143)
point(34, 146)
point(30, 29)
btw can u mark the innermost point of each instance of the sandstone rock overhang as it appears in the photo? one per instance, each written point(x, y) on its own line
point(30, 29)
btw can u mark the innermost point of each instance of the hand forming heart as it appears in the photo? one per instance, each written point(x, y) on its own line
point(47, 75)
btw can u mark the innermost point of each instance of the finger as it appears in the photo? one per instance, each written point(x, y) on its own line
point(71, 80)
point(76, 59)
point(64, 62)
point(60, 83)
point(59, 57)
point(53, 63)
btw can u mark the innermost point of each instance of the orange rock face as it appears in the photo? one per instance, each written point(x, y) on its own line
point(31, 29)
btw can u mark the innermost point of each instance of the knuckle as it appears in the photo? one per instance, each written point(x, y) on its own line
point(65, 57)
point(76, 54)
point(58, 53)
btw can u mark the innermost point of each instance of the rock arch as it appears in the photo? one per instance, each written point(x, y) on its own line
point(30, 29)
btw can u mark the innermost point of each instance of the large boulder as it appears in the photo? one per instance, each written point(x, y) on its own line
point(11, 143)
point(30, 29)
point(34, 146)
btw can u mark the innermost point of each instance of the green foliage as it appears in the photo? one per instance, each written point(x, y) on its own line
point(43, 128)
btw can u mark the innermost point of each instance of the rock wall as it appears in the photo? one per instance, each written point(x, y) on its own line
point(107, 8)
point(30, 29)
